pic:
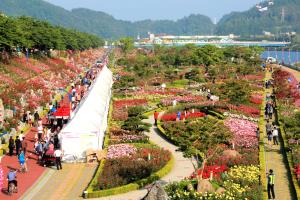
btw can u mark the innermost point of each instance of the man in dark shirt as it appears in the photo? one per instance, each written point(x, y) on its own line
point(18, 145)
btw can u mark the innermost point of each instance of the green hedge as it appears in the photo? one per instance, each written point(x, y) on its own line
point(129, 187)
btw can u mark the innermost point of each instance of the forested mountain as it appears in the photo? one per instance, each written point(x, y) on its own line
point(276, 16)
point(281, 16)
point(103, 24)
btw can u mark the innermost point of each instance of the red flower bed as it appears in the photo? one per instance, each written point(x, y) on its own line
point(173, 117)
point(254, 77)
point(246, 109)
point(256, 100)
point(214, 169)
point(130, 102)
point(286, 85)
point(297, 171)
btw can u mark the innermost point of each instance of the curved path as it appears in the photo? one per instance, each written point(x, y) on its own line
point(183, 167)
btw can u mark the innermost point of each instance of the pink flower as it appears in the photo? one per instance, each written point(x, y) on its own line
point(244, 132)
point(120, 150)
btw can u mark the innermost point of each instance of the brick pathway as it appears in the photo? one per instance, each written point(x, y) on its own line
point(25, 180)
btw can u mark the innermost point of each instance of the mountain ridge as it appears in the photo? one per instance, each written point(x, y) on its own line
point(246, 23)
point(102, 24)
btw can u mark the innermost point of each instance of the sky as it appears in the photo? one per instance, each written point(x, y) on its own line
point(135, 10)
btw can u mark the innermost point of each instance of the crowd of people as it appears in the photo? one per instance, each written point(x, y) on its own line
point(271, 128)
point(47, 133)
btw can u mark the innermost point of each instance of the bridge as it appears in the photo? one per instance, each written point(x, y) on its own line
point(202, 40)
point(216, 43)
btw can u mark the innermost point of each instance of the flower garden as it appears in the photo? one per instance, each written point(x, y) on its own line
point(218, 133)
point(288, 98)
point(27, 85)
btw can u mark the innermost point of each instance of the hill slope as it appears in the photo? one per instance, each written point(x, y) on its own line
point(103, 24)
point(255, 22)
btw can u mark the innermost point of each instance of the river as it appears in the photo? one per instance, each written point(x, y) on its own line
point(285, 56)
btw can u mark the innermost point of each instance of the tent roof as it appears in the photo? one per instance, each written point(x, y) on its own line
point(91, 113)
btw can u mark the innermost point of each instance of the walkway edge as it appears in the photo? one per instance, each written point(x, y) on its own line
point(39, 183)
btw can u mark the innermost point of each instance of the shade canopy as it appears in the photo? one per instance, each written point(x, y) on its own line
point(86, 128)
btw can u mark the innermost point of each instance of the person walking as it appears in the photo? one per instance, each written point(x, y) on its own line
point(275, 135)
point(18, 145)
point(268, 127)
point(271, 182)
point(11, 145)
point(40, 132)
point(58, 154)
point(24, 145)
point(36, 117)
point(270, 111)
point(156, 114)
point(22, 161)
point(257, 133)
point(178, 115)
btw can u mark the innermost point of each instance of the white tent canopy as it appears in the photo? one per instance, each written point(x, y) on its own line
point(86, 129)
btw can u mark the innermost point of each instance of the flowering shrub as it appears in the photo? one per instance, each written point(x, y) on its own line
point(122, 136)
point(120, 114)
point(120, 150)
point(256, 99)
point(125, 170)
point(252, 111)
point(214, 169)
point(244, 175)
point(173, 117)
point(183, 99)
point(240, 117)
point(247, 156)
point(286, 86)
point(129, 102)
point(244, 132)
point(254, 77)
point(232, 191)
point(36, 80)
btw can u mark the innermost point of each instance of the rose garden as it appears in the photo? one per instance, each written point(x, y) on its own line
point(210, 102)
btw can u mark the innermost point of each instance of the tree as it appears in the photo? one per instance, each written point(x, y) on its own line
point(126, 44)
point(236, 91)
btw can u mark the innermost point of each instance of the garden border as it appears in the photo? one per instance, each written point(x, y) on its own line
point(129, 187)
point(90, 193)
point(288, 155)
point(262, 159)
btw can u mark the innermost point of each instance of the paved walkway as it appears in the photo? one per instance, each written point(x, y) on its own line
point(275, 160)
point(25, 180)
point(183, 167)
point(67, 184)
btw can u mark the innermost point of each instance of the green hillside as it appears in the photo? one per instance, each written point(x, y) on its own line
point(253, 21)
point(103, 24)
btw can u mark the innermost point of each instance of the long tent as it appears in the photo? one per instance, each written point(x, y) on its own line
point(86, 128)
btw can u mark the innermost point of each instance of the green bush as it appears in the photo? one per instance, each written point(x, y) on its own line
point(202, 133)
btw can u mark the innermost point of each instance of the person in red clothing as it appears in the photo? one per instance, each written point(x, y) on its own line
point(156, 114)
